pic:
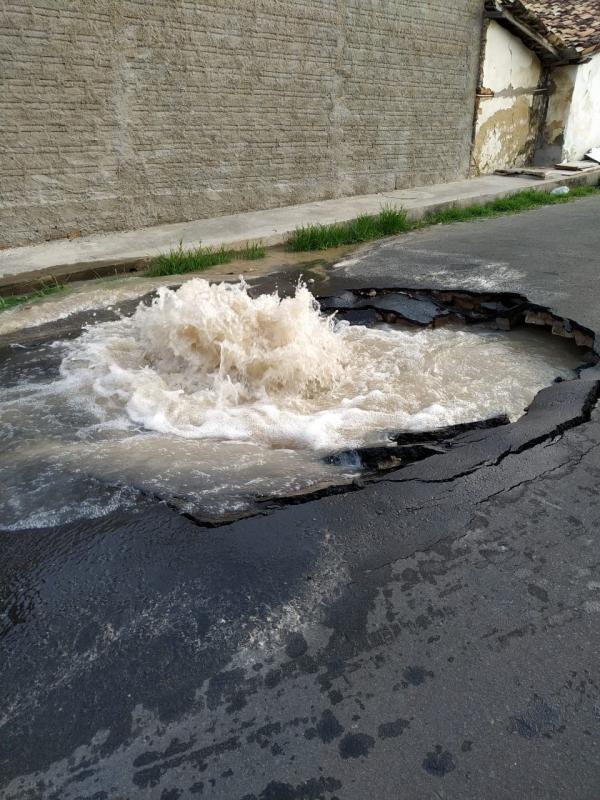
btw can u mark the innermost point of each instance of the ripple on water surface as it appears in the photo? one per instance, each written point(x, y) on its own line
point(217, 398)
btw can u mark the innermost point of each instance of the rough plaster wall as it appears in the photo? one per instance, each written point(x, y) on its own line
point(583, 124)
point(506, 126)
point(562, 83)
point(124, 113)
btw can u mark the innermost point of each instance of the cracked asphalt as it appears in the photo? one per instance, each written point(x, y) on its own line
point(433, 635)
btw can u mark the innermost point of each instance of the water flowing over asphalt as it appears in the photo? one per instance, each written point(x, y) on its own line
point(215, 396)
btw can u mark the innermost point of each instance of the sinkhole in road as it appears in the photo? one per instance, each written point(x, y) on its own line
point(213, 398)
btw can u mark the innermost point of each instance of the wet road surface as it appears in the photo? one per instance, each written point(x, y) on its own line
point(433, 635)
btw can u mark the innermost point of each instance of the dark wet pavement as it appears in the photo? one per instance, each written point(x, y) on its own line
point(433, 635)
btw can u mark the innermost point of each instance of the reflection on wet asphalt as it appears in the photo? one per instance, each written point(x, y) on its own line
point(433, 634)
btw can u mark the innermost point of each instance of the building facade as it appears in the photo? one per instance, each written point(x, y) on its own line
point(121, 114)
point(538, 100)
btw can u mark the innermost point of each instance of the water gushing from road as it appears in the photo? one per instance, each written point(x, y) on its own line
point(216, 397)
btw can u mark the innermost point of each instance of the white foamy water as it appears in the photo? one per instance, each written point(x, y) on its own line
point(216, 397)
point(209, 362)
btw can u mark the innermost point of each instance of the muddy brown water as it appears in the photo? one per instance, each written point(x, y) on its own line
point(213, 397)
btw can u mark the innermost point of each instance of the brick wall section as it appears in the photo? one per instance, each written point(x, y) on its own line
point(125, 113)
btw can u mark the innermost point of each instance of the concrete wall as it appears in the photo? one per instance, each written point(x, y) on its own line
point(123, 113)
point(508, 112)
point(582, 130)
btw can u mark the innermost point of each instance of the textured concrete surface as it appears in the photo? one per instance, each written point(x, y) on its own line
point(433, 635)
point(270, 227)
point(138, 112)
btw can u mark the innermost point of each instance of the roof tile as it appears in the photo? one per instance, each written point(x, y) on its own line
point(565, 23)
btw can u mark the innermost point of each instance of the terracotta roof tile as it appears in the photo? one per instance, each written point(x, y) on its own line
point(565, 23)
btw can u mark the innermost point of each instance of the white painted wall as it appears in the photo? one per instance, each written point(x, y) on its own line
point(503, 135)
point(562, 80)
point(508, 63)
point(582, 130)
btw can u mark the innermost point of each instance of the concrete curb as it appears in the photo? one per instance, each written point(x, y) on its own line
point(101, 254)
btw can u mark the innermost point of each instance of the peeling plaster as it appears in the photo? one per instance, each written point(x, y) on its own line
point(559, 105)
point(562, 84)
point(506, 138)
point(508, 119)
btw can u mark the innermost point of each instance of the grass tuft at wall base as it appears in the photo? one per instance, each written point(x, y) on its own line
point(180, 261)
point(364, 228)
point(44, 290)
point(392, 220)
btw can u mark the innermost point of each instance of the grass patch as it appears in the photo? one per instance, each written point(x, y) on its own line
point(43, 291)
point(180, 261)
point(392, 220)
point(523, 201)
point(362, 229)
point(252, 252)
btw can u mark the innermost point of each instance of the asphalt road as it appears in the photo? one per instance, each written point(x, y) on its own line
point(433, 635)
